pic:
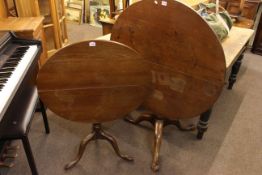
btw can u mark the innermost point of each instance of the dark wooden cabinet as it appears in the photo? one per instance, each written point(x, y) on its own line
point(248, 13)
point(249, 10)
point(257, 45)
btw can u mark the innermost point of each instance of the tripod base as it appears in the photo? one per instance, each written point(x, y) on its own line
point(159, 124)
point(97, 133)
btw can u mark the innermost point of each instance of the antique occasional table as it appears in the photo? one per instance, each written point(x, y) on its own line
point(175, 44)
point(94, 82)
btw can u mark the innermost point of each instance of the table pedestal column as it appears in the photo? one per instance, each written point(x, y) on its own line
point(97, 133)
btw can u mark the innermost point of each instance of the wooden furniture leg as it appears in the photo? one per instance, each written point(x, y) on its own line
point(157, 144)
point(159, 124)
point(97, 133)
point(152, 119)
point(203, 123)
point(143, 117)
point(234, 71)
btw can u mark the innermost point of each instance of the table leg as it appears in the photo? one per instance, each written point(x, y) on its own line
point(234, 71)
point(81, 150)
point(157, 144)
point(203, 123)
point(143, 117)
point(97, 133)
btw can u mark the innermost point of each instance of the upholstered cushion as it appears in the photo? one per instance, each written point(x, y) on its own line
point(18, 116)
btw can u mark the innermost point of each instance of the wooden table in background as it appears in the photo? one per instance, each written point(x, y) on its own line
point(26, 28)
point(234, 47)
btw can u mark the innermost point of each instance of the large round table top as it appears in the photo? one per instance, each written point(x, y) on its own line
point(187, 60)
point(94, 81)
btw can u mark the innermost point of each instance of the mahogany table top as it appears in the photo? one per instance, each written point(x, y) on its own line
point(94, 81)
point(187, 60)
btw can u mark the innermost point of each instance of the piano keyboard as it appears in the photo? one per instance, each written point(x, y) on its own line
point(12, 73)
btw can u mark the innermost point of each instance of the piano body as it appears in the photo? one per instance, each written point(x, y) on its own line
point(18, 66)
point(18, 93)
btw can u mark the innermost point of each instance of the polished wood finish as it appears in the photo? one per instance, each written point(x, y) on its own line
point(94, 81)
point(159, 124)
point(54, 24)
point(27, 8)
point(151, 36)
point(8, 6)
point(27, 28)
point(157, 144)
point(233, 45)
point(3, 13)
point(187, 60)
point(29, 24)
point(82, 82)
point(97, 134)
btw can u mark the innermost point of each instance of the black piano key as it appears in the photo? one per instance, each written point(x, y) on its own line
point(24, 49)
point(5, 75)
point(20, 51)
point(1, 87)
point(11, 57)
point(14, 59)
point(12, 62)
point(7, 69)
point(17, 55)
point(2, 81)
point(3, 72)
point(10, 65)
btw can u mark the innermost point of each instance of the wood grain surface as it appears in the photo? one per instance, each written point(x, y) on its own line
point(187, 60)
point(94, 81)
point(21, 24)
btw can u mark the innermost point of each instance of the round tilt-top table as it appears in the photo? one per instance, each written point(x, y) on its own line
point(94, 81)
point(186, 60)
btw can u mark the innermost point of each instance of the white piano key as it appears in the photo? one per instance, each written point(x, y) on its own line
point(14, 81)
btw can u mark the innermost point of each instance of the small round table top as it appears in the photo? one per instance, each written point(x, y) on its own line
point(94, 81)
point(187, 60)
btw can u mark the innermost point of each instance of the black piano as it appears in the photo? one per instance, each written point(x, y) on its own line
point(18, 93)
